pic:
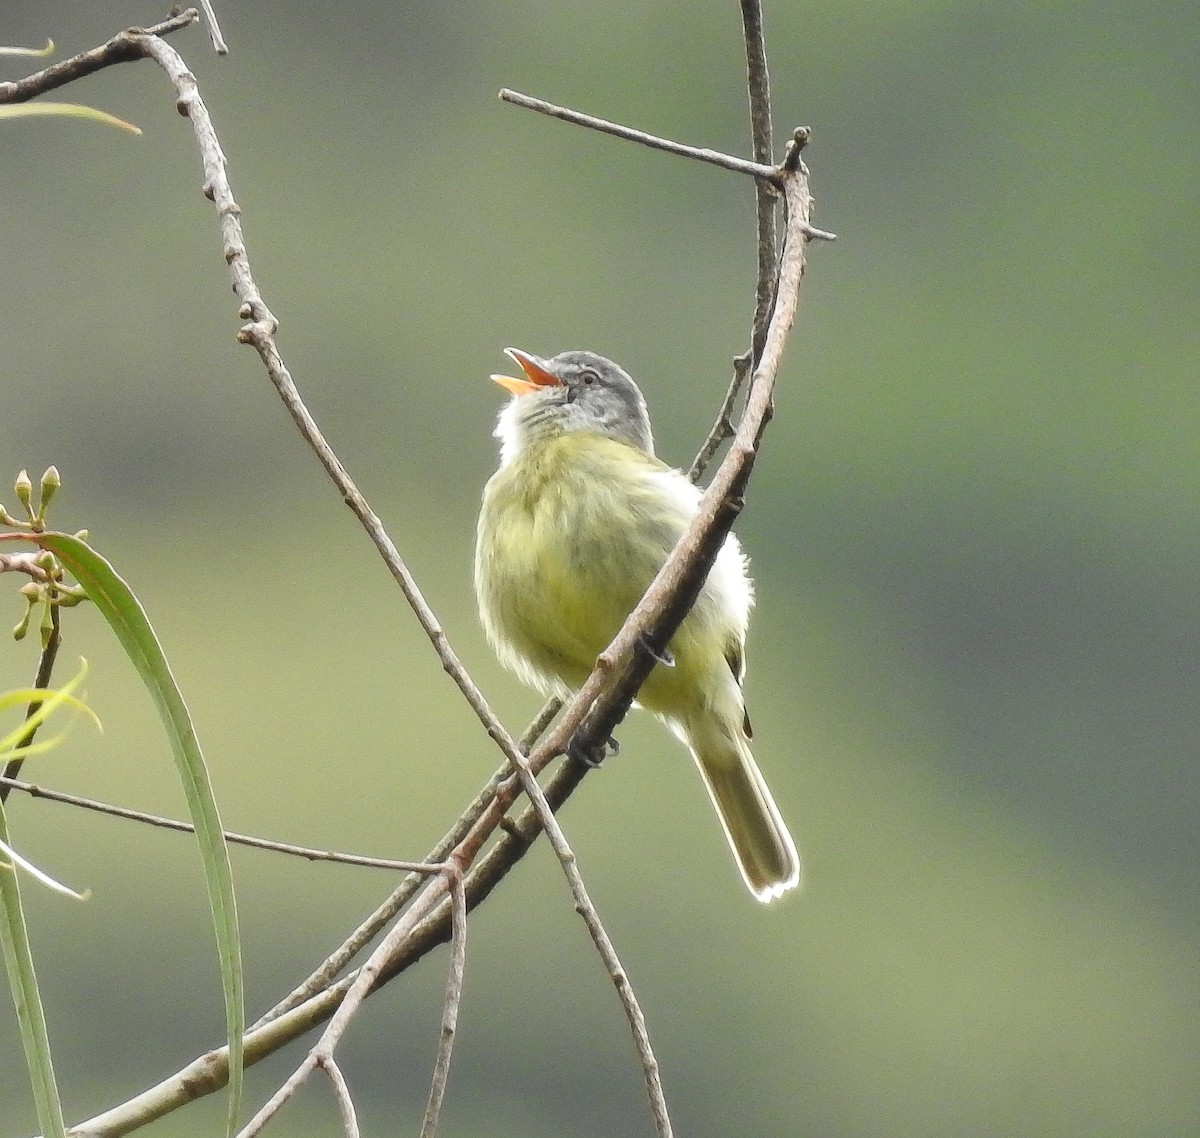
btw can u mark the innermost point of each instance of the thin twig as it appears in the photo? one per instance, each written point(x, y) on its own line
point(362, 985)
point(454, 983)
point(45, 672)
point(260, 334)
point(26, 563)
point(124, 47)
point(341, 1093)
point(758, 88)
point(214, 29)
point(8, 783)
point(601, 939)
point(621, 668)
point(722, 427)
point(208, 1073)
point(423, 924)
point(332, 966)
point(700, 154)
point(766, 196)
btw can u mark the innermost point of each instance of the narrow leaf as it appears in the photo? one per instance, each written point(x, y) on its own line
point(66, 110)
point(14, 935)
point(128, 620)
point(35, 52)
point(15, 859)
point(31, 1018)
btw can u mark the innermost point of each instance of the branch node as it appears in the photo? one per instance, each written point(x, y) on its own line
point(791, 154)
point(815, 234)
point(509, 826)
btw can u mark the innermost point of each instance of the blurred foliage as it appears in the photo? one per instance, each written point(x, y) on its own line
point(974, 528)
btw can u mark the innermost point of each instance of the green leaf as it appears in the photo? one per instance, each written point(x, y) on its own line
point(113, 597)
point(35, 52)
point(18, 960)
point(66, 110)
point(18, 963)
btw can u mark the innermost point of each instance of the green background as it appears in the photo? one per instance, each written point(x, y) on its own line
point(975, 659)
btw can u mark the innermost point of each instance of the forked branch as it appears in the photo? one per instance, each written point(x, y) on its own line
point(433, 908)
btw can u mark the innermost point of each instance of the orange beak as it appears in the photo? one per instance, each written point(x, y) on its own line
point(536, 376)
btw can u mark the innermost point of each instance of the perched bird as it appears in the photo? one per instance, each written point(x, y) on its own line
point(575, 524)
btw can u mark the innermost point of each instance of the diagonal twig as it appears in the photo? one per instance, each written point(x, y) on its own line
point(124, 47)
point(758, 88)
point(766, 198)
point(701, 154)
point(259, 333)
point(361, 986)
point(8, 783)
point(450, 1006)
point(667, 601)
point(214, 28)
point(341, 1093)
point(207, 1074)
point(593, 714)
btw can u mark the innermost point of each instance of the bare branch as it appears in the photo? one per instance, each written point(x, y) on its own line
point(758, 87)
point(363, 983)
point(766, 195)
point(600, 937)
point(342, 1094)
point(8, 783)
point(722, 427)
point(214, 29)
point(713, 157)
point(26, 563)
point(454, 982)
point(260, 333)
point(208, 1073)
point(122, 48)
point(590, 717)
point(621, 668)
point(502, 857)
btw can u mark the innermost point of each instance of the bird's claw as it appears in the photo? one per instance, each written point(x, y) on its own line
point(665, 658)
point(592, 757)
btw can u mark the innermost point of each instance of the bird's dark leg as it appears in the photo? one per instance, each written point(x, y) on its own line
point(589, 757)
point(592, 757)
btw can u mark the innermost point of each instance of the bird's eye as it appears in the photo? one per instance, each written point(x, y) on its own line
point(589, 377)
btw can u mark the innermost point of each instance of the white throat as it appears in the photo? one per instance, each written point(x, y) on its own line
point(508, 431)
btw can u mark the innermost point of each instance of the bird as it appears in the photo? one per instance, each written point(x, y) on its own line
point(574, 525)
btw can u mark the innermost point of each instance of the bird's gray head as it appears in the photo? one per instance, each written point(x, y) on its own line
point(573, 391)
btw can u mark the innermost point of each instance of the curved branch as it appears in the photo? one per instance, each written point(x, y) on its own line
point(124, 47)
point(593, 714)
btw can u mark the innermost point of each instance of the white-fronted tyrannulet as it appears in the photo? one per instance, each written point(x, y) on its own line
point(575, 524)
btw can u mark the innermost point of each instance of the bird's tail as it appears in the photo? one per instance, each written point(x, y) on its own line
point(760, 841)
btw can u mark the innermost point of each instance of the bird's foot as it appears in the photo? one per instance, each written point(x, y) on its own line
point(665, 658)
point(592, 757)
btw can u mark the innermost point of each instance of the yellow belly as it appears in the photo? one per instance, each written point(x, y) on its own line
point(571, 534)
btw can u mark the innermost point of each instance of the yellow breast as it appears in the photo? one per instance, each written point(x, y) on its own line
point(571, 533)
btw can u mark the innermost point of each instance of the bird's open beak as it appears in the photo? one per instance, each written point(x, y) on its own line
point(536, 376)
